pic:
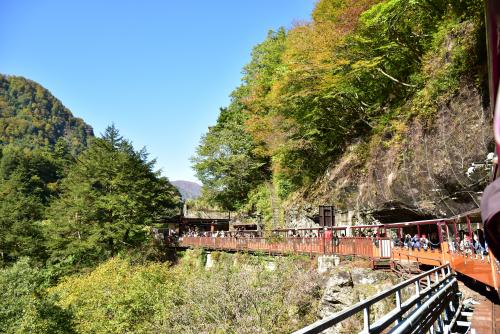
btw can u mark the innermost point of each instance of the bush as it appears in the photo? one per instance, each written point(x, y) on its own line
point(24, 305)
point(244, 297)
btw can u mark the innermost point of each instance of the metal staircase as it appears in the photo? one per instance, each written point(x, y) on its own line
point(434, 307)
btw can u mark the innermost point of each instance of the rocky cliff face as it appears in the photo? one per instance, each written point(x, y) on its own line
point(412, 170)
point(345, 287)
point(416, 161)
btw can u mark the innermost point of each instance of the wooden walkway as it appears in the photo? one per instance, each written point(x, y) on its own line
point(486, 318)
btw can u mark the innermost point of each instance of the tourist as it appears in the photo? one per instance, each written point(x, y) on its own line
point(415, 242)
point(424, 242)
point(328, 234)
point(466, 245)
point(407, 241)
point(478, 248)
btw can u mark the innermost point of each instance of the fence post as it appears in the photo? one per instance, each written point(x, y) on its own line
point(398, 303)
point(310, 247)
point(366, 319)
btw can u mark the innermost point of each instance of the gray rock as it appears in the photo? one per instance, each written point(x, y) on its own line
point(347, 287)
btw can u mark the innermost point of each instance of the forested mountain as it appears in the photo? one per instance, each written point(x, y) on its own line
point(68, 199)
point(321, 105)
point(188, 189)
point(30, 116)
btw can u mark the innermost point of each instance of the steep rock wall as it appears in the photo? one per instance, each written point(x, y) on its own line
point(416, 169)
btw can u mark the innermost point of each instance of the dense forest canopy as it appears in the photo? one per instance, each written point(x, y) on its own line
point(109, 199)
point(30, 116)
point(358, 69)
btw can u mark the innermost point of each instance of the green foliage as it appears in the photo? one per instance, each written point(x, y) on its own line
point(110, 197)
point(264, 203)
point(225, 162)
point(231, 158)
point(24, 305)
point(28, 183)
point(38, 140)
point(356, 70)
point(31, 117)
point(118, 297)
point(259, 201)
point(453, 56)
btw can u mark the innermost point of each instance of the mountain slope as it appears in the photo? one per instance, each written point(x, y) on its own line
point(188, 189)
point(352, 111)
point(30, 116)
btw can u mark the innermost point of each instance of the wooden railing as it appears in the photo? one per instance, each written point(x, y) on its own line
point(355, 246)
point(481, 269)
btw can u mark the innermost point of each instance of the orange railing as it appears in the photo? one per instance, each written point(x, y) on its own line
point(476, 267)
point(343, 246)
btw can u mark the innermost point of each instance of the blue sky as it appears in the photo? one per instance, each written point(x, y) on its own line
point(159, 70)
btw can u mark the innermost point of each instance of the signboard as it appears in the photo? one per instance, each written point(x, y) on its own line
point(326, 216)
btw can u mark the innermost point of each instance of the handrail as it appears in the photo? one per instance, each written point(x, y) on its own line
point(416, 256)
point(446, 281)
point(356, 246)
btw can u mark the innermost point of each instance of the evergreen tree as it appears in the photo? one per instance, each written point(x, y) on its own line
point(28, 182)
point(110, 197)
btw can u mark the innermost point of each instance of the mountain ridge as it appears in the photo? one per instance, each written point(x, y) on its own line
point(30, 116)
point(188, 189)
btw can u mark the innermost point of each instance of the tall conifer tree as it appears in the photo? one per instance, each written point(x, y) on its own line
point(110, 197)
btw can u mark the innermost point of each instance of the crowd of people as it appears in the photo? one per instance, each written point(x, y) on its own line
point(238, 233)
point(470, 245)
point(464, 243)
point(418, 242)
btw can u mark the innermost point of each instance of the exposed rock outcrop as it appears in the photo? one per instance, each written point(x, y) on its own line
point(413, 170)
point(345, 287)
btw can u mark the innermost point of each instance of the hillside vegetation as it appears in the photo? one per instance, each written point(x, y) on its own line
point(68, 199)
point(326, 94)
point(68, 202)
point(30, 116)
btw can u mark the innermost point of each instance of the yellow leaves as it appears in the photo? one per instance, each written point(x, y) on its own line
point(116, 296)
point(268, 131)
point(119, 297)
point(327, 10)
point(313, 50)
point(367, 64)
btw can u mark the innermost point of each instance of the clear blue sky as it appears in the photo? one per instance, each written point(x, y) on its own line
point(159, 70)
